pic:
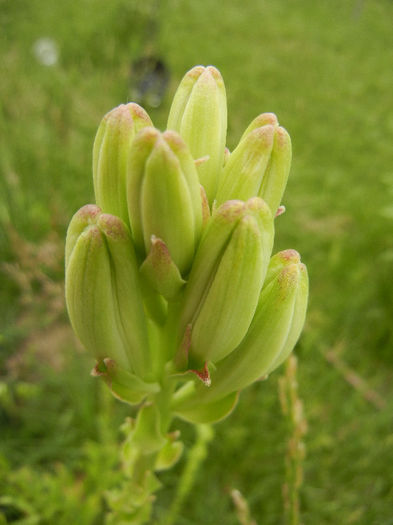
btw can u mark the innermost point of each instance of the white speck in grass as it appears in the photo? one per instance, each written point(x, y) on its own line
point(46, 51)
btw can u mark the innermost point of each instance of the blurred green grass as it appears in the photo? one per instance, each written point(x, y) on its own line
point(325, 68)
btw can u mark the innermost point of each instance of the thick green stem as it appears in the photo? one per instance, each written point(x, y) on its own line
point(163, 400)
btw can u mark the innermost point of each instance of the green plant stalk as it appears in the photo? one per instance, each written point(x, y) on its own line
point(195, 458)
point(134, 478)
point(132, 502)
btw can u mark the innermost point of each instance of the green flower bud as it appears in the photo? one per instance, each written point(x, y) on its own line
point(298, 319)
point(225, 281)
point(199, 114)
point(243, 172)
point(127, 290)
point(90, 307)
point(163, 193)
point(160, 271)
point(259, 165)
point(102, 290)
point(110, 156)
point(274, 330)
point(212, 245)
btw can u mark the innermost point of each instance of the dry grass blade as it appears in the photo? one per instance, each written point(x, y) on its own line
point(242, 509)
point(354, 379)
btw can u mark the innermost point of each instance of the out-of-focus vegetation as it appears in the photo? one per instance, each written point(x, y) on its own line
point(325, 68)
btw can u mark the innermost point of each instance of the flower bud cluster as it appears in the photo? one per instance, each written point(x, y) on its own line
point(170, 276)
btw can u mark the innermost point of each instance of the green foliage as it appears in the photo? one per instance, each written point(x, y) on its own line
point(325, 68)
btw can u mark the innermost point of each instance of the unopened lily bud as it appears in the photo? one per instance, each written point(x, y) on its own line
point(110, 156)
point(226, 279)
point(91, 307)
point(243, 173)
point(127, 291)
point(102, 290)
point(274, 330)
point(199, 114)
point(160, 271)
point(259, 165)
point(298, 320)
point(163, 193)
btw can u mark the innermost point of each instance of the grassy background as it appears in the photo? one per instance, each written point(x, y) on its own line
point(325, 67)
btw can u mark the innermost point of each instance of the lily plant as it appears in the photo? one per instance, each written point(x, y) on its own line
point(171, 284)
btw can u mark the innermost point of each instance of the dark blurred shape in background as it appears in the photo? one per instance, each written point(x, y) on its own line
point(149, 74)
point(149, 80)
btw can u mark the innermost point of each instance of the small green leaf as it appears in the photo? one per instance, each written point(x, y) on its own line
point(169, 455)
point(124, 385)
point(200, 412)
